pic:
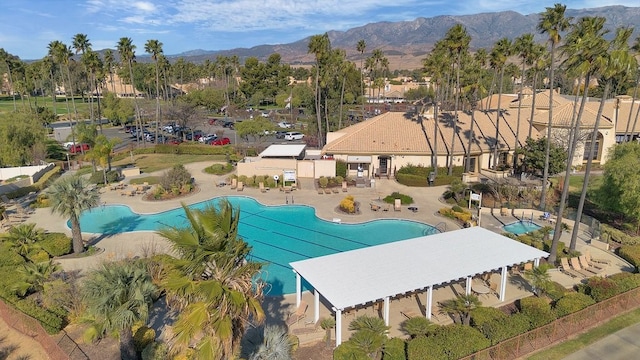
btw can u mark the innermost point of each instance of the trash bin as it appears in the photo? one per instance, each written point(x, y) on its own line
point(432, 178)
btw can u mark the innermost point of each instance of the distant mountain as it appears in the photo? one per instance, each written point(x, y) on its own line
point(406, 43)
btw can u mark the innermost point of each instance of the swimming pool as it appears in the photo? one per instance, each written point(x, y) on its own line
point(278, 234)
point(521, 227)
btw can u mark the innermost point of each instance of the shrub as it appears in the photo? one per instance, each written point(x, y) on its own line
point(339, 180)
point(251, 181)
point(177, 177)
point(42, 201)
point(482, 315)
point(155, 351)
point(142, 337)
point(50, 321)
point(97, 177)
point(498, 330)
point(341, 168)
point(56, 244)
point(537, 310)
point(449, 342)
point(601, 288)
point(418, 348)
point(571, 303)
point(404, 199)
point(219, 169)
point(323, 182)
point(394, 349)
point(38, 256)
point(349, 351)
point(613, 234)
point(8, 257)
point(626, 281)
point(242, 178)
point(631, 253)
point(555, 290)
point(348, 204)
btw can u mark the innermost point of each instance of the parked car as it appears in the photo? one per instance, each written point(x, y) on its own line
point(78, 148)
point(229, 125)
point(280, 134)
point(221, 141)
point(293, 136)
point(206, 138)
point(174, 141)
point(285, 125)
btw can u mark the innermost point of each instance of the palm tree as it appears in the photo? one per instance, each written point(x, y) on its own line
point(93, 64)
point(7, 58)
point(525, 48)
point(118, 296)
point(499, 54)
point(457, 41)
point(636, 49)
point(418, 326)
point(154, 48)
point(320, 46)
point(81, 44)
point(60, 54)
point(24, 238)
point(127, 55)
point(70, 196)
point(539, 278)
point(33, 276)
point(361, 47)
point(584, 45)
point(370, 334)
point(461, 306)
point(552, 22)
point(615, 62)
point(212, 287)
point(327, 324)
point(109, 62)
point(539, 58)
point(276, 345)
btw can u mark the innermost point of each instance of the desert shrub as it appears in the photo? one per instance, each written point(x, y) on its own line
point(404, 199)
point(251, 181)
point(625, 281)
point(449, 342)
point(394, 349)
point(631, 253)
point(219, 169)
point(42, 201)
point(601, 288)
point(341, 168)
point(571, 303)
point(482, 315)
point(348, 204)
point(260, 179)
point(498, 330)
point(456, 208)
point(242, 178)
point(56, 244)
point(142, 337)
point(462, 216)
point(339, 180)
point(537, 310)
point(349, 351)
point(38, 256)
point(176, 177)
point(323, 182)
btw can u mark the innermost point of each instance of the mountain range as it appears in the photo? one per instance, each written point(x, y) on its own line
point(406, 43)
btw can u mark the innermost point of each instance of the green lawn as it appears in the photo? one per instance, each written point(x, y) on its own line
point(581, 341)
point(149, 163)
point(6, 104)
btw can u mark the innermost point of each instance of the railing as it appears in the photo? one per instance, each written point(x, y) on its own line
point(560, 329)
point(29, 326)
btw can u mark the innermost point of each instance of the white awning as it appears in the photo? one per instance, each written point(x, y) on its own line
point(359, 159)
point(283, 150)
point(360, 276)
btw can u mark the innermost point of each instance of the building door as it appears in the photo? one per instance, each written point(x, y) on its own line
point(382, 167)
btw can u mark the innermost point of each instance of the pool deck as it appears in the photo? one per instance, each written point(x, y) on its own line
point(129, 245)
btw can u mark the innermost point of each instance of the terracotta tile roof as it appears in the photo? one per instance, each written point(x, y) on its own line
point(564, 115)
point(623, 115)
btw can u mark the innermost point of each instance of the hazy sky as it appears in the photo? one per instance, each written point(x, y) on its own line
point(28, 26)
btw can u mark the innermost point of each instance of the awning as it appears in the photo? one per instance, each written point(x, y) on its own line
point(359, 159)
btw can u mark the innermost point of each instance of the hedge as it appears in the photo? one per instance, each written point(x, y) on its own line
point(625, 281)
point(8, 257)
point(601, 288)
point(448, 342)
point(44, 181)
point(50, 321)
point(349, 351)
point(56, 244)
point(537, 310)
point(482, 315)
point(613, 234)
point(571, 303)
point(501, 329)
point(631, 253)
point(394, 349)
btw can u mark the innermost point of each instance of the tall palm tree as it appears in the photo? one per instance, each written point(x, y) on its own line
point(499, 54)
point(524, 47)
point(539, 278)
point(81, 44)
point(552, 22)
point(92, 62)
point(154, 48)
point(6, 58)
point(320, 46)
point(126, 49)
point(616, 61)
point(584, 45)
point(70, 196)
point(636, 49)
point(118, 296)
point(461, 306)
point(60, 54)
point(539, 58)
point(361, 47)
point(457, 41)
point(212, 286)
point(109, 63)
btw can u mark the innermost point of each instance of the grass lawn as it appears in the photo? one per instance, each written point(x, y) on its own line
point(581, 341)
point(6, 104)
point(575, 182)
point(149, 163)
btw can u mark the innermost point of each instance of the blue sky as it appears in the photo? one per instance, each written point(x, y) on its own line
point(28, 26)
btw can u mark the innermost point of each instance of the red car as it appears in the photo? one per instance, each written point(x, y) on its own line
point(221, 141)
point(78, 148)
point(174, 141)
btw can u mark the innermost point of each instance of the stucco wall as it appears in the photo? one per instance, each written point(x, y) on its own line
point(266, 167)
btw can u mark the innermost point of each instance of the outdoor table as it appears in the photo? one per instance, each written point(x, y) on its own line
point(480, 288)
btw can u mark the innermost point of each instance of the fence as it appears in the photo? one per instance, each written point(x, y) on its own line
point(32, 328)
point(560, 329)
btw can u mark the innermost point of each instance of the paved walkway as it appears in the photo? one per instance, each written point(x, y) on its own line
point(622, 345)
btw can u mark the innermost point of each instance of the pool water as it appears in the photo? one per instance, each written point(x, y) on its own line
point(278, 234)
point(521, 227)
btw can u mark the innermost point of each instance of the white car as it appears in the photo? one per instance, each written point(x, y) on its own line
point(208, 137)
point(285, 125)
point(293, 136)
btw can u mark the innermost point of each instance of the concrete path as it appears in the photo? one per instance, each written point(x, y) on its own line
point(622, 345)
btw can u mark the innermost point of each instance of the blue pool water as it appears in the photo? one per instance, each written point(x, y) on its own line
point(278, 234)
point(521, 227)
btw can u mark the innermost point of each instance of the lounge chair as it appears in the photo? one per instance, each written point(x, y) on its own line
point(240, 186)
point(575, 264)
point(565, 268)
point(591, 268)
point(591, 260)
point(234, 184)
point(397, 205)
point(504, 212)
point(299, 314)
point(375, 207)
point(335, 190)
point(6, 200)
point(261, 185)
point(327, 191)
point(320, 191)
point(344, 186)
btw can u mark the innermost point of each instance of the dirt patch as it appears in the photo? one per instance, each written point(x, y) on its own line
point(317, 351)
point(15, 345)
